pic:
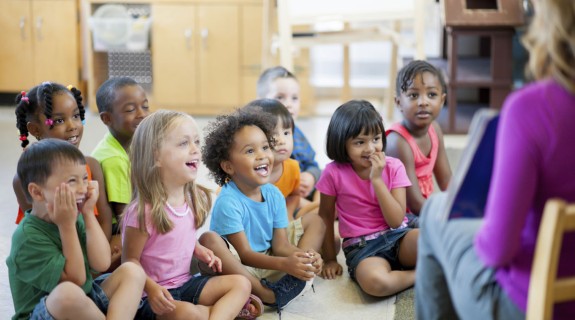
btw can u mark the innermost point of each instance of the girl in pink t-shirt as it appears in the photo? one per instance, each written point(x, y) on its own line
point(367, 189)
point(159, 227)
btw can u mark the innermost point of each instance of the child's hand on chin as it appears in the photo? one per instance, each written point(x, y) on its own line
point(87, 206)
point(63, 210)
point(377, 160)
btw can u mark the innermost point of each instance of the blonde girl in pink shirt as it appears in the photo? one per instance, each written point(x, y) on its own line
point(159, 227)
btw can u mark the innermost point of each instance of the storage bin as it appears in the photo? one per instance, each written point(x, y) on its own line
point(114, 29)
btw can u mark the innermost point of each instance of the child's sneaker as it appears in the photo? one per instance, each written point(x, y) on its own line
point(287, 289)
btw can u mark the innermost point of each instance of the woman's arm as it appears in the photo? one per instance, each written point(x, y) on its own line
point(513, 184)
point(442, 170)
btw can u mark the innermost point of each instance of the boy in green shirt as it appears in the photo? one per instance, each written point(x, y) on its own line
point(51, 262)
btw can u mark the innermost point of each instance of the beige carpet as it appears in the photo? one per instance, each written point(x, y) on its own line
point(405, 305)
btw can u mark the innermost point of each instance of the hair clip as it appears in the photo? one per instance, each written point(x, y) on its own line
point(23, 97)
point(83, 122)
point(49, 122)
point(70, 87)
point(23, 137)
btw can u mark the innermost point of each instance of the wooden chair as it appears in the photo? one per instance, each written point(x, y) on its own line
point(363, 20)
point(545, 289)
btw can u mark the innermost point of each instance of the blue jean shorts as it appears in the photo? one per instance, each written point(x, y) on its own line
point(189, 291)
point(97, 295)
point(385, 246)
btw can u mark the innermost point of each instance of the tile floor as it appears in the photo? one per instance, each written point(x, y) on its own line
point(333, 299)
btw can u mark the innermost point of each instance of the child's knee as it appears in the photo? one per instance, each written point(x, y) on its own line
point(241, 282)
point(65, 297)
point(211, 239)
point(313, 219)
point(132, 271)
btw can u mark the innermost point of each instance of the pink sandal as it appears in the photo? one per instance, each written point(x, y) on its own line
point(245, 312)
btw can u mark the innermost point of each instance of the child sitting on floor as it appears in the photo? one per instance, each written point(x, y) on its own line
point(250, 213)
point(418, 140)
point(59, 243)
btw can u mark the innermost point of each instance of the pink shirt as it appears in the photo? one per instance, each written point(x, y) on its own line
point(166, 258)
point(424, 164)
point(356, 203)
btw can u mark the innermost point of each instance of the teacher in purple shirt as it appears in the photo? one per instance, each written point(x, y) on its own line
point(480, 268)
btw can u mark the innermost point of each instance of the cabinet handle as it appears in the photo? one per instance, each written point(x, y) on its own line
point(22, 25)
point(39, 23)
point(188, 36)
point(204, 34)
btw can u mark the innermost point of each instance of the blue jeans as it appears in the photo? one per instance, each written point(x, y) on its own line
point(451, 282)
point(189, 291)
point(97, 295)
point(385, 246)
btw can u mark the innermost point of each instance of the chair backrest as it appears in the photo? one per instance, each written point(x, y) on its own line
point(304, 12)
point(545, 289)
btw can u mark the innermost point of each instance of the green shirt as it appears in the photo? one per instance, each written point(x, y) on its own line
point(115, 165)
point(36, 262)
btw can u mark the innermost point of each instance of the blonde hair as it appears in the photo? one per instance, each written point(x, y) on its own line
point(146, 180)
point(550, 41)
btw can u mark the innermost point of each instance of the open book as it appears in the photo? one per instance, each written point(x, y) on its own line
point(469, 185)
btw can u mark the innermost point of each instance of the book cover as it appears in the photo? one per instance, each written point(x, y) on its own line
point(469, 186)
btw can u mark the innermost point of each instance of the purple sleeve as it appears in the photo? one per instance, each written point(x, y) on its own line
point(513, 182)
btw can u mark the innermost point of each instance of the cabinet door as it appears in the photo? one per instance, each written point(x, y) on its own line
point(16, 67)
point(219, 53)
point(55, 30)
point(174, 58)
point(252, 28)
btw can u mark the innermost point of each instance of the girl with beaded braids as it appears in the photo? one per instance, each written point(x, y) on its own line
point(51, 110)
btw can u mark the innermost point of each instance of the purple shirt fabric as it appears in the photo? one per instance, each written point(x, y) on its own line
point(534, 161)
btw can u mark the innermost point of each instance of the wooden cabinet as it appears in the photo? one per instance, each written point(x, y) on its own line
point(205, 54)
point(39, 43)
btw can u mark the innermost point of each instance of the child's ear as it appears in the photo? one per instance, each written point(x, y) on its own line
point(34, 129)
point(35, 191)
point(227, 167)
point(106, 117)
point(443, 96)
point(396, 101)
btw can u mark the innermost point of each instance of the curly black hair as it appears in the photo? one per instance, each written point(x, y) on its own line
point(219, 138)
